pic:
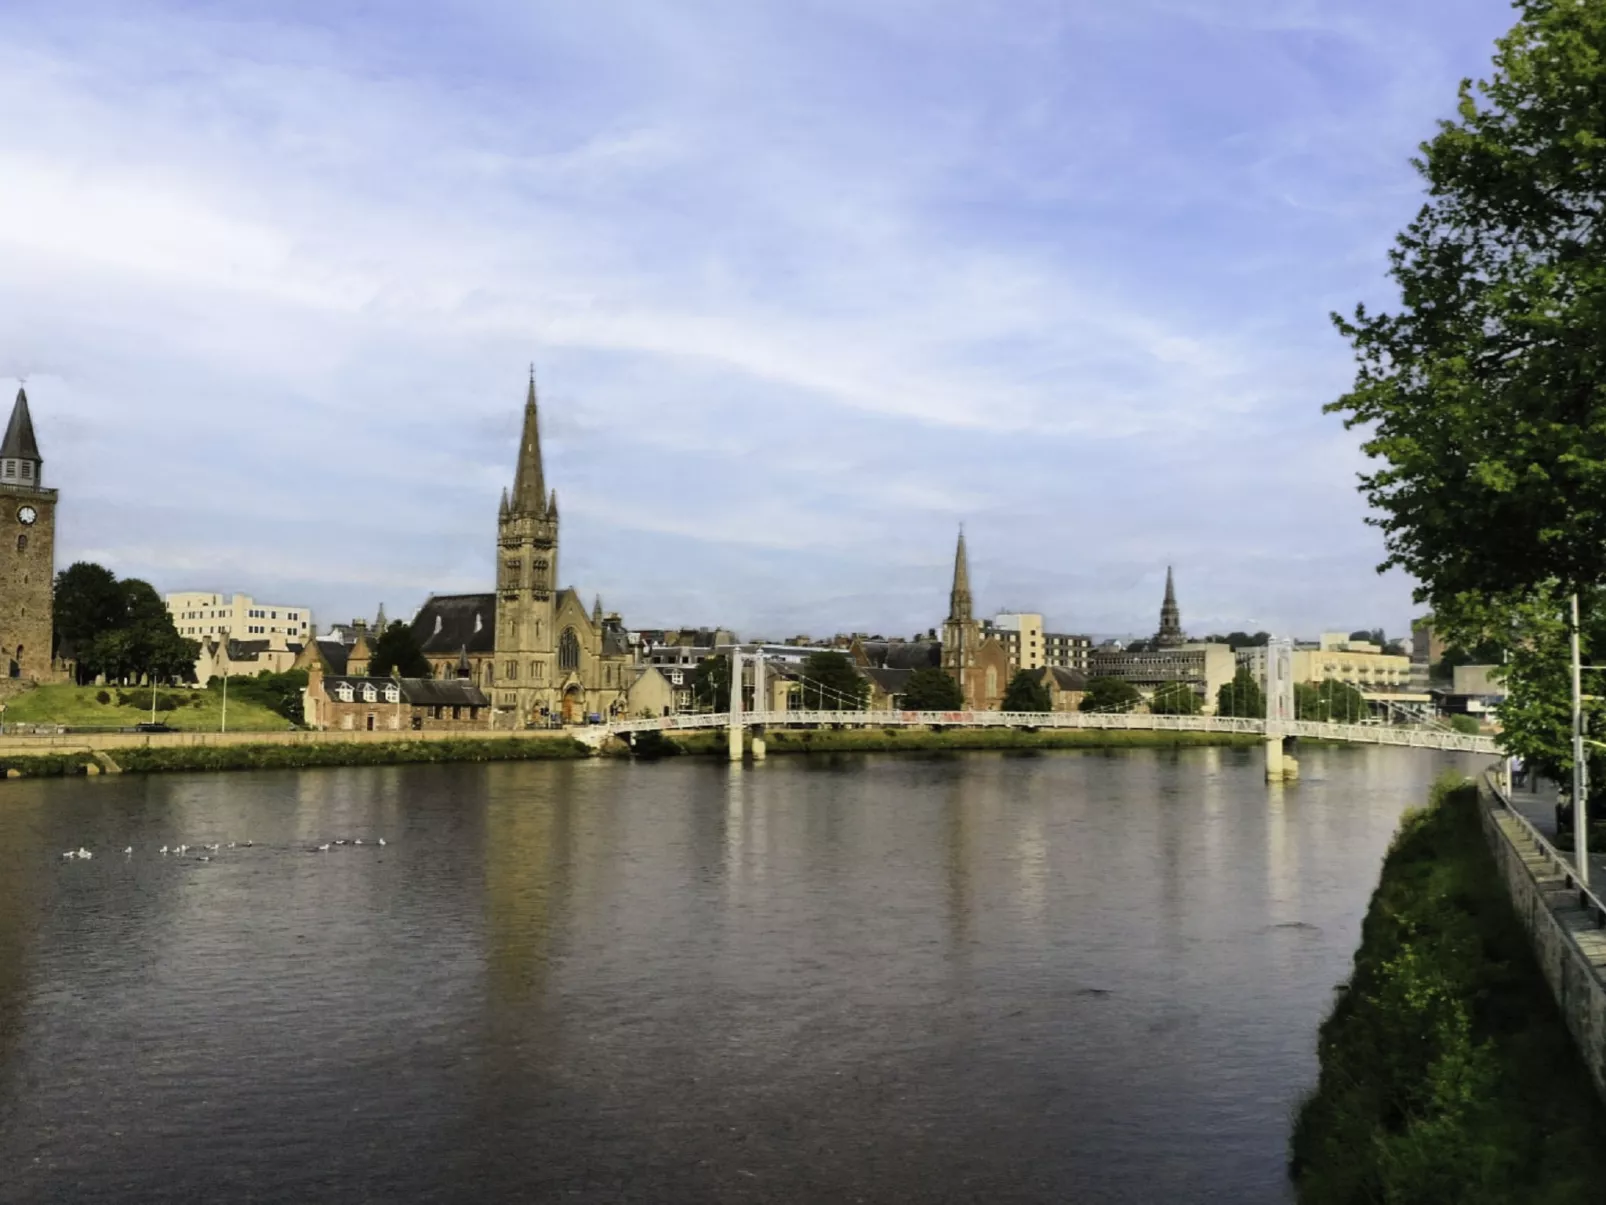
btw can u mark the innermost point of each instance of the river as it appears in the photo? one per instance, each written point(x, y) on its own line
point(1090, 977)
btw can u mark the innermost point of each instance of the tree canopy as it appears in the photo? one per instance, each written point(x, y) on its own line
point(397, 652)
point(1175, 698)
point(711, 684)
point(1329, 700)
point(1482, 393)
point(1027, 693)
point(1242, 697)
point(831, 683)
point(121, 629)
point(932, 689)
point(1110, 694)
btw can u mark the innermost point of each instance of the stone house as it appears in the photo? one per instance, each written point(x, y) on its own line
point(1066, 687)
point(346, 703)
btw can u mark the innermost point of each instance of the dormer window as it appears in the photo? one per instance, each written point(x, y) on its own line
point(344, 691)
point(369, 694)
point(392, 694)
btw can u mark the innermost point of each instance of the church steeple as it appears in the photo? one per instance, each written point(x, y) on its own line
point(20, 461)
point(1170, 633)
point(959, 596)
point(529, 481)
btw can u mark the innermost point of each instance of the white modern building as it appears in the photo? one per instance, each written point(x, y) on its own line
point(198, 615)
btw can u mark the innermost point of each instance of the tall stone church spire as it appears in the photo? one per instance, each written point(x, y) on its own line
point(20, 445)
point(1170, 634)
point(959, 596)
point(529, 482)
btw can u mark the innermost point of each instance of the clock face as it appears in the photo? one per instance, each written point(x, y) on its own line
point(27, 515)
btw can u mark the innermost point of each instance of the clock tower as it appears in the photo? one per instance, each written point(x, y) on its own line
point(27, 552)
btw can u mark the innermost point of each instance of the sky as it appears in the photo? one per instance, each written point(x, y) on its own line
point(807, 284)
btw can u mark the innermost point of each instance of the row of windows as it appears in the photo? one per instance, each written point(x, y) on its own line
point(346, 693)
point(12, 473)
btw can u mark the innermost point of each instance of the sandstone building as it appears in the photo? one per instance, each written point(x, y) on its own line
point(28, 544)
point(975, 659)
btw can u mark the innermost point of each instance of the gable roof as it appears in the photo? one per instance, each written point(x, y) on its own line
point(418, 692)
point(889, 681)
point(1065, 679)
point(450, 623)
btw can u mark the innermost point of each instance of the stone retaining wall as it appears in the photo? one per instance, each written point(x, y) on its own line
point(1566, 937)
point(35, 745)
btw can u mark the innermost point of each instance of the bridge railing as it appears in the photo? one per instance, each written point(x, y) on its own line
point(1366, 734)
point(1587, 899)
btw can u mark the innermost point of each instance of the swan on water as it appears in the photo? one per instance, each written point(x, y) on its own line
point(358, 841)
point(84, 853)
point(128, 849)
point(324, 848)
point(163, 850)
point(71, 853)
point(381, 840)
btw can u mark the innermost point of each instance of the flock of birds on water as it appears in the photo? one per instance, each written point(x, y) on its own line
point(204, 853)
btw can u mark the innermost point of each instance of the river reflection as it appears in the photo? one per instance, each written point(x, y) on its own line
point(1090, 977)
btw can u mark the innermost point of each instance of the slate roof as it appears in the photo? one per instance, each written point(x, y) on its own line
point(1068, 679)
point(335, 654)
point(449, 623)
point(19, 443)
point(417, 692)
point(915, 654)
point(890, 681)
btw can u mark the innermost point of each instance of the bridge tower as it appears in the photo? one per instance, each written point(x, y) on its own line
point(736, 724)
point(1279, 688)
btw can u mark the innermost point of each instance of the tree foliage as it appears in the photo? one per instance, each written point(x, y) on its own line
point(1110, 694)
point(121, 629)
point(1241, 640)
point(831, 683)
point(711, 684)
point(1483, 393)
point(1242, 697)
point(279, 692)
point(1175, 698)
point(932, 689)
point(1027, 693)
point(398, 652)
point(1329, 701)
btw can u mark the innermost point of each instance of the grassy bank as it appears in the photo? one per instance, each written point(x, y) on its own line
point(889, 740)
point(125, 706)
point(1447, 1074)
point(336, 753)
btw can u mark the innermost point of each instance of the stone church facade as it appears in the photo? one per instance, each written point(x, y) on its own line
point(971, 656)
point(28, 547)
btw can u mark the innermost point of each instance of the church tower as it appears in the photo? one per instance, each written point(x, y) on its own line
point(960, 633)
point(28, 532)
point(1170, 634)
point(526, 577)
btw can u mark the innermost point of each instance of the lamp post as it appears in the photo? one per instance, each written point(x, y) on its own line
point(1580, 770)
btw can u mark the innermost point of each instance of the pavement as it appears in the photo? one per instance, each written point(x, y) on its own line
point(1539, 808)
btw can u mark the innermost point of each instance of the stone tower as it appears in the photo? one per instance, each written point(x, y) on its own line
point(526, 577)
point(1170, 634)
point(960, 633)
point(28, 532)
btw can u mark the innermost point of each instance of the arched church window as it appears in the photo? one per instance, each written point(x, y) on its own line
point(569, 650)
point(22, 543)
point(992, 681)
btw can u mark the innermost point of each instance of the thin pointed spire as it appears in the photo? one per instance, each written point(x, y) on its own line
point(1170, 634)
point(959, 596)
point(19, 443)
point(503, 509)
point(552, 506)
point(1170, 587)
point(596, 611)
point(529, 481)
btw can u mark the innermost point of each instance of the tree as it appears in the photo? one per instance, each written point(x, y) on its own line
point(1027, 693)
point(1329, 701)
point(932, 689)
point(831, 683)
point(1483, 395)
point(711, 684)
point(279, 692)
point(1242, 697)
point(1110, 694)
point(1374, 636)
point(87, 602)
point(397, 651)
point(1175, 698)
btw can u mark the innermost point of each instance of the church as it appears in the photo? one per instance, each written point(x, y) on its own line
point(530, 644)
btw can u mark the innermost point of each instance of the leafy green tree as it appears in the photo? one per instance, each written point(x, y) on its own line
point(87, 602)
point(1175, 698)
point(1329, 701)
point(1242, 697)
point(1110, 694)
point(280, 692)
point(1027, 693)
point(932, 689)
point(397, 651)
point(711, 684)
point(831, 683)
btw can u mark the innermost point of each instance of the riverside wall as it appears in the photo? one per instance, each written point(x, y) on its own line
point(1563, 929)
point(63, 743)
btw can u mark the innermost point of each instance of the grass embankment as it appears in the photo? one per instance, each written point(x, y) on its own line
point(125, 706)
point(154, 758)
point(888, 740)
point(1447, 1074)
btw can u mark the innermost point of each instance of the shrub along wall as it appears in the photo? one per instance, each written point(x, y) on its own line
point(1446, 1072)
point(335, 753)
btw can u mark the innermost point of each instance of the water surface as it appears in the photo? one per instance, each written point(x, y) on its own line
point(1076, 976)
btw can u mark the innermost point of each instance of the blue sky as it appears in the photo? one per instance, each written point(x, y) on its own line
point(807, 285)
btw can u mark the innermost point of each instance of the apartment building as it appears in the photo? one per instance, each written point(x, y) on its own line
point(198, 615)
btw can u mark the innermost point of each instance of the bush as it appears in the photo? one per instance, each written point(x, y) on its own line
point(653, 744)
point(1466, 724)
point(102, 697)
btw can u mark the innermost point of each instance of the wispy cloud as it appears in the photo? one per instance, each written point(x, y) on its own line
point(806, 284)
